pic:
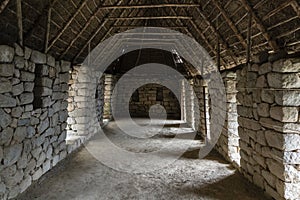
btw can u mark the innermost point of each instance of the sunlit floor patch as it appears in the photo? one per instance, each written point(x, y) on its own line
point(83, 177)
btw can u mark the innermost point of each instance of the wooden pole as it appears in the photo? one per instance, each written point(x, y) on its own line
point(249, 33)
point(177, 5)
point(152, 17)
point(20, 22)
point(48, 29)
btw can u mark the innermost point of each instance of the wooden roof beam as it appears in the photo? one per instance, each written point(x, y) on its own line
point(96, 33)
point(137, 26)
point(230, 23)
point(66, 25)
point(3, 5)
point(164, 5)
point(260, 26)
point(149, 18)
point(221, 40)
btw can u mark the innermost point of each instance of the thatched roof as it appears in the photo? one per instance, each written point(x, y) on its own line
point(75, 26)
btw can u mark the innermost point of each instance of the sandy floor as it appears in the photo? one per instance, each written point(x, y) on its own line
point(81, 176)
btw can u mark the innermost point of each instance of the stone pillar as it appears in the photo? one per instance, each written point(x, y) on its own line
point(82, 122)
point(109, 80)
point(270, 127)
point(228, 144)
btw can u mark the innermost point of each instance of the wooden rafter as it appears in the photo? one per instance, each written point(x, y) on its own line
point(48, 26)
point(249, 33)
point(20, 21)
point(164, 5)
point(260, 26)
point(149, 18)
point(38, 20)
point(96, 33)
point(66, 25)
point(217, 33)
point(3, 5)
point(277, 9)
point(230, 23)
point(133, 26)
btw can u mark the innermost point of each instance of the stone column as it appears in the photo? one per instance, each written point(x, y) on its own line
point(228, 144)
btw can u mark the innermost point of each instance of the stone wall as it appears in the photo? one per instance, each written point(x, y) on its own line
point(83, 120)
point(228, 144)
point(147, 97)
point(33, 114)
point(269, 126)
point(109, 81)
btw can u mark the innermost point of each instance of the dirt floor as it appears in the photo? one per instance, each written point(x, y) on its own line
point(83, 177)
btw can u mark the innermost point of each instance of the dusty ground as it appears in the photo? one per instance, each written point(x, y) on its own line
point(83, 177)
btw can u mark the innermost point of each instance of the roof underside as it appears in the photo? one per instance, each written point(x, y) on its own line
point(77, 26)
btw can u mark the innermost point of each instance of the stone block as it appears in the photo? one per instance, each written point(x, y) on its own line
point(265, 68)
point(7, 70)
point(12, 154)
point(6, 136)
point(5, 86)
point(65, 66)
point(287, 65)
point(263, 110)
point(277, 80)
point(27, 76)
point(38, 57)
point(284, 114)
point(6, 54)
point(26, 98)
point(20, 134)
point(287, 97)
point(5, 119)
point(18, 89)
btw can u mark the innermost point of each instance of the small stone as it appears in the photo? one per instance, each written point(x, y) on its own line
point(7, 70)
point(65, 66)
point(28, 86)
point(26, 98)
point(265, 68)
point(263, 109)
point(5, 86)
point(19, 50)
point(37, 174)
point(12, 154)
point(19, 62)
point(6, 136)
point(20, 134)
point(27, 53)
point(38, 57)
point(46, 166)
point(6, 54)
point(64, 78)
point(17, 112)
point(30, 132)
point(43, 126)
point(27, 76)
point(5, 119)
point(18, 89)
point(50, 61)
point(7, 102)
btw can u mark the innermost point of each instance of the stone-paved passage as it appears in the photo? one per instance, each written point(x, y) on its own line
point(82, 177)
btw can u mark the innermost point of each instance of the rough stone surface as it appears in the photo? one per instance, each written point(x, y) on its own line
point(5, 119)
point(7, 70)
point(12, 154)
point(6, 54)
point(38, 57)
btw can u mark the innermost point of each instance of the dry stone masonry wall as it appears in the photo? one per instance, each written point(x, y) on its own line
point(269, 126)
point(33, 115)
point(83, 120)
point(228, 144)
point(149, 95)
